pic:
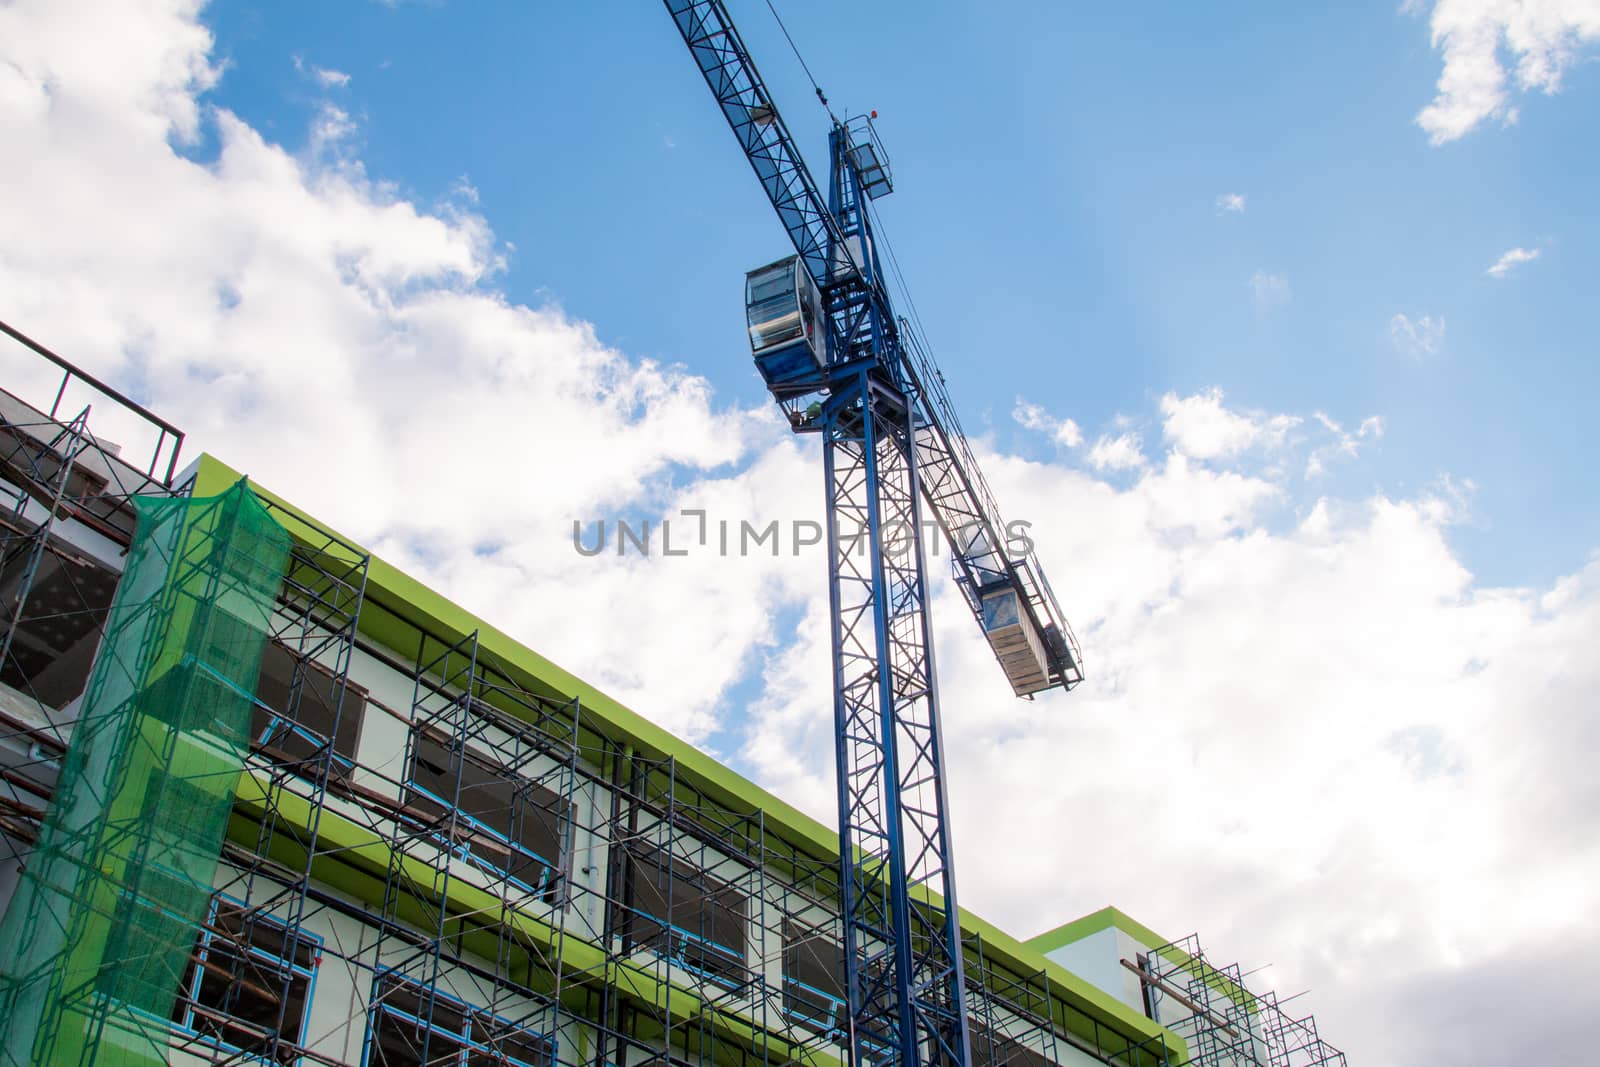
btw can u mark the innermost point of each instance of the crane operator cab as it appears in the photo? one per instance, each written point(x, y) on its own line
point(787, 334)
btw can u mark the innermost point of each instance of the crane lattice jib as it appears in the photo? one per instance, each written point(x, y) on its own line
point(748, 107)
point(984, 551)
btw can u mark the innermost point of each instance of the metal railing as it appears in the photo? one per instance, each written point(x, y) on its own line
point(169, 439)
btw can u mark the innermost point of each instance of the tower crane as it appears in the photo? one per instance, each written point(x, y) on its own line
point(841, 364)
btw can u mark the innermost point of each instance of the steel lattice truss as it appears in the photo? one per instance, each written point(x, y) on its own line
point(748, 107)
point(902, 953)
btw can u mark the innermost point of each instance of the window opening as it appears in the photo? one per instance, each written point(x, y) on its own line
point(515, 825)
point(452, 1031)
point(230, 994)
point(298, 736)
point(687, 915)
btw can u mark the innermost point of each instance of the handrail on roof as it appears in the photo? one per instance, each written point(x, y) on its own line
point(72, 371)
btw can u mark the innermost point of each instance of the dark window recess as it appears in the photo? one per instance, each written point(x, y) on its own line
point(1147, 990)
point(298, 734)
point(503, 1039)
point(993, 1049)
point(405, 1027)
point(189, 694)
point(225, 639)
point(512, 823)
point(680, 911)
point(168, 800)
point(241, 993)
point(62, 617)
point(813, 974)
point(144, 958)
point(187, 697)
point(35, 466)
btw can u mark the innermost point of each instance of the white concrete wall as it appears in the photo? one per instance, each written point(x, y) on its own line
point(1097, 959)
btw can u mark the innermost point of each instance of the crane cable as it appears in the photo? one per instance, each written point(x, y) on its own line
point(796, 50)
point(882, 236)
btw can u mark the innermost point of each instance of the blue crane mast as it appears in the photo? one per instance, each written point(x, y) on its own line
point(841, 364)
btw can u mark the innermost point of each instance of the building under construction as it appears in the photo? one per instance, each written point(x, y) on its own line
point(266, 799)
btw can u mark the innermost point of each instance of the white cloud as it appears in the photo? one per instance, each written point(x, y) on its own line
point(331, 132)
point(1346, 444)
point(1268, 291)
point(323, 76)
point(1230, 202)
point(349, 348)
point(1341, 750)
point(1543, 37)
point(1201, 427)
point(1033, 417)
point(1510, 260)
point(1416, 337)
point(153, 66)
point(1122, 452)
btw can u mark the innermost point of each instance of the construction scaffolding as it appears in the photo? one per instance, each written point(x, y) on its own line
point(124, 860)
point(1017, 1021)
point(69, 503)
point(483, 811)
point(250, 965)
point(429, 857)
point(66, 522)
point(1224, 1023)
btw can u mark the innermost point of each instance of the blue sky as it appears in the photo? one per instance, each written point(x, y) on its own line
point(1059, 169)
point(1309, 472)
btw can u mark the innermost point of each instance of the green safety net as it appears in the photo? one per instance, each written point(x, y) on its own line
point(100, 931)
